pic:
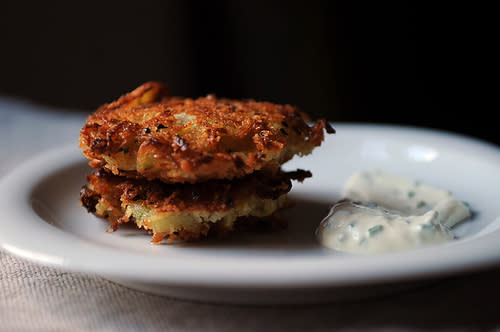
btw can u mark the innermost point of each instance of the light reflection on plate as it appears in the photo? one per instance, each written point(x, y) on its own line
point(422, 153)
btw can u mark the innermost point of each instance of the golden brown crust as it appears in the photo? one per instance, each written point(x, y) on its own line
point(149, 135)
point(212, 196)
point(146, 93)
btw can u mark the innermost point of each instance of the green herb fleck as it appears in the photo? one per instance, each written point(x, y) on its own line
point(421, 204)
point(427, 227)
point(375, 229)
point(417, 183)
point(411, 194)
point(341, 237)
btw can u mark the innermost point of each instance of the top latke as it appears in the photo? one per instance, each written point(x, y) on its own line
point(147, 134)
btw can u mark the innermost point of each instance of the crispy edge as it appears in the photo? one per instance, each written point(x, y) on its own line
point(144, 94)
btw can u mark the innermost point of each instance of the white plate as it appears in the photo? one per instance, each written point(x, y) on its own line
point(43, 222)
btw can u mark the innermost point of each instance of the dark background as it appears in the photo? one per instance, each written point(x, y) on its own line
point(393, 62)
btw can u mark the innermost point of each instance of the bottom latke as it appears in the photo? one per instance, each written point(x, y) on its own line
point(190, 212)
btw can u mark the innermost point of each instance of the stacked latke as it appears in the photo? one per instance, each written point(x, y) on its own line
point(187, 168)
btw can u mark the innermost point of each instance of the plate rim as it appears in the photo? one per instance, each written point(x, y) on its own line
point(146, 268)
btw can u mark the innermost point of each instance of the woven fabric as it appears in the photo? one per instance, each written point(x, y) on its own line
point(37, 298)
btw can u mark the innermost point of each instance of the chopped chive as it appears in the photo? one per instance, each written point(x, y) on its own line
point(375, 229)
point(341, 237)
point(427, 227)
point(417, 183)
point(421, 204)
point(411, 194)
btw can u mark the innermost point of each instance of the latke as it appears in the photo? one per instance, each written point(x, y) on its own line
point(186, 211)
point(146, 134)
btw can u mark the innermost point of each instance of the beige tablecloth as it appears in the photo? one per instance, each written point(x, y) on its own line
point(37, 298)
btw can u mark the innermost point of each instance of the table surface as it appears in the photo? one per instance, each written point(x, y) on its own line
point(34, 297)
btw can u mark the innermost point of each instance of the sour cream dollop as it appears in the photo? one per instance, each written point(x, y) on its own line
point(391, 213)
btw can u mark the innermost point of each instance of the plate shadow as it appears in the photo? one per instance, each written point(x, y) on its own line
point(303, 218)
